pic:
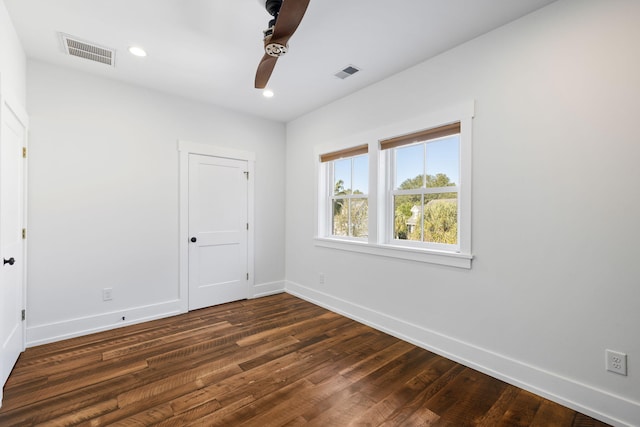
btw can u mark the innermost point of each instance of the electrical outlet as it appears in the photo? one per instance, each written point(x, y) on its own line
point(616, 362)
point(321, 278)
point(107, 294)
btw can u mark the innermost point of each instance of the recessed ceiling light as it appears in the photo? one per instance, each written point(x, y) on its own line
point(267, 93)
point(137, 51)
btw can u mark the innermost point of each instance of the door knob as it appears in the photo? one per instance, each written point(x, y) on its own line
point(193, 239)
point(9, 261)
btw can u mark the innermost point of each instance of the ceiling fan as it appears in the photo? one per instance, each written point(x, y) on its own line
point(287, 15)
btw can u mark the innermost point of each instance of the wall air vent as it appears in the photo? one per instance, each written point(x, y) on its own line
point(347, 71)
point(87, 50)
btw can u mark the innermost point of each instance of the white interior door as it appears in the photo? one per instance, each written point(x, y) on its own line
point(218, 237)
point(12, 141)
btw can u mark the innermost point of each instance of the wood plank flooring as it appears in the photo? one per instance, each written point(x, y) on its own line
point(274, 361)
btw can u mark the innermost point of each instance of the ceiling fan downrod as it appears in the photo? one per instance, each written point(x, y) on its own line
point(273, 8)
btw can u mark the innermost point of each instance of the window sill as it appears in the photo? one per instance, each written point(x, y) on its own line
point(390, 251)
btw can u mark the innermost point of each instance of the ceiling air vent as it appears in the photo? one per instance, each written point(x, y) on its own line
point(87, 50)
point(347, 72)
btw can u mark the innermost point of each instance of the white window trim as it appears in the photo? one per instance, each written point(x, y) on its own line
point(378, 241)
point(430, 256)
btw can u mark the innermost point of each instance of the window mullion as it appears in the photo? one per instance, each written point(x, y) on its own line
point(330, 191)
point(422, 219)
point(424, 165)
point(350, 231)
point(424, 185)
point(440, 190)
point(390, 185)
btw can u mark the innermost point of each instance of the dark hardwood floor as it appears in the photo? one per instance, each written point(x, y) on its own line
point(275, 361)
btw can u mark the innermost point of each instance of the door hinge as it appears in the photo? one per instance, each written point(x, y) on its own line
point(246, 174)
point(247, 226)
point(247, 276)
point(24, 152)
point(24, 233)
point(24, 314)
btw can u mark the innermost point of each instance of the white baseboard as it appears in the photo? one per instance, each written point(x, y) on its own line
point(57, 331)
point(599, 404)
point(266, 289)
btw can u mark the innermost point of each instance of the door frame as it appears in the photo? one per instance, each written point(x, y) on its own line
point(10, 106)
point(186, 148)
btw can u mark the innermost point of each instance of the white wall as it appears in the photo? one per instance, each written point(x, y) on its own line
point(103, 198)
point(13, 61)
point(556, 206)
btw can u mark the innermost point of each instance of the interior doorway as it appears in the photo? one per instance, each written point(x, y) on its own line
point(216, 217)
point(13, 143)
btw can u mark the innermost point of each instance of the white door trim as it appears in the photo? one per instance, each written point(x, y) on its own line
point(186, 148)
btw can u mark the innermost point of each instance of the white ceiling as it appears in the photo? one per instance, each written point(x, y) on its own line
point(208, 50)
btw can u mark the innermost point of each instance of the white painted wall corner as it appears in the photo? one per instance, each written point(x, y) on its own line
point(266, 289)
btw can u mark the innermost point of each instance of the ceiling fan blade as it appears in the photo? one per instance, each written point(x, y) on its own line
point(289, 17)
point(264, 70)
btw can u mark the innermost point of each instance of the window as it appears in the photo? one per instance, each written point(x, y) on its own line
point(347, 172)
point(423, 190)
point(405, 194)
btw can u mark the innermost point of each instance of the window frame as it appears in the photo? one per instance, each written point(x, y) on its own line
point(380, 177)
point(331, 197)
point(389, 156)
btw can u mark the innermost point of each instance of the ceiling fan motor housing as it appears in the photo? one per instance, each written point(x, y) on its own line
point(273, 6)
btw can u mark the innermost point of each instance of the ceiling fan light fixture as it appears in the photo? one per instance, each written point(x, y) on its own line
point(267, 93)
